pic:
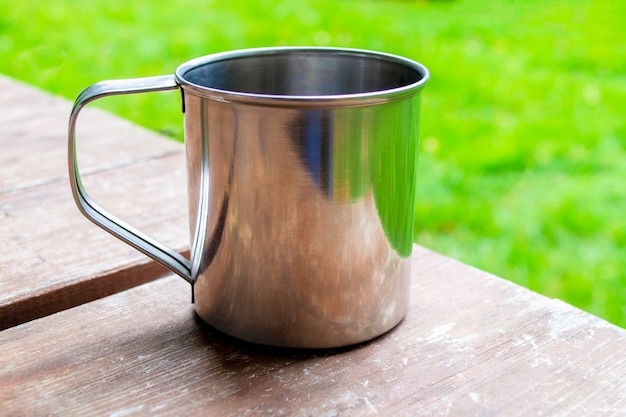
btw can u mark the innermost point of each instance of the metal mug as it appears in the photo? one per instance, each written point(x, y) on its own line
point(301, 166)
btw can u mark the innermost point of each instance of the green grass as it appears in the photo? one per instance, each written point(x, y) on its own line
point(522, 163)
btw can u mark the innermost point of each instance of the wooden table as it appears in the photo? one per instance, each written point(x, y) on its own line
point(93, 328)
point(51, 258)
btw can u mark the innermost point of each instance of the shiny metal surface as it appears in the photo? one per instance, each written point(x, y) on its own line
point(301, 179)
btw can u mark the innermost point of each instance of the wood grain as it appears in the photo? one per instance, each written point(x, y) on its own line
point(33, 138)
point(52, 258)
point(472, 344)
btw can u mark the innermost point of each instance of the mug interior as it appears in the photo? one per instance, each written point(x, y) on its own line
point(304, 72)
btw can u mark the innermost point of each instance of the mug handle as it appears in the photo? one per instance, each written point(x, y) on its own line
point(92, 210)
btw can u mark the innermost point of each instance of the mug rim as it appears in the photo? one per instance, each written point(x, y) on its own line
point(360, 98)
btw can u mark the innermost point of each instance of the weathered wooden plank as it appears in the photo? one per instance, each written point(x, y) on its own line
point(472, 344)
point(33, 138)
point(52, 258)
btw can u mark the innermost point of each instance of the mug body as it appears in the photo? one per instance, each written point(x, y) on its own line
point(301, 183)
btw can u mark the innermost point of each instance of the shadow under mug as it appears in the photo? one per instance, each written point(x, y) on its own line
point(301, 171)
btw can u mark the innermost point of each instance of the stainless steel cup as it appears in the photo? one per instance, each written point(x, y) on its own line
point(301, 181)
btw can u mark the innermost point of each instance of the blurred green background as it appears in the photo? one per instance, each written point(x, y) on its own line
point(523, 138)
